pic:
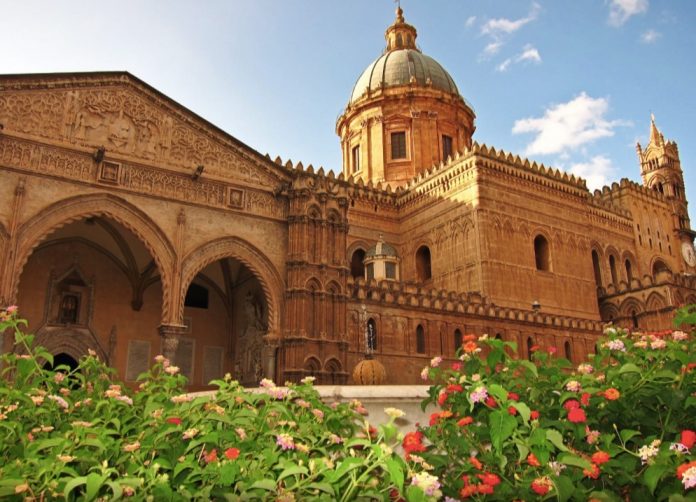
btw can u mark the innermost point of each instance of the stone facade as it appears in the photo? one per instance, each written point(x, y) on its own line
point(131, 226)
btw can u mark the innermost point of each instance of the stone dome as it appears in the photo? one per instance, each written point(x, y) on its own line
point(381, 248)
point(406, 66)
point(369, 372)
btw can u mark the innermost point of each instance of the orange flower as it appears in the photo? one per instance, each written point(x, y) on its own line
point(210, 456)
point(476, 463)
point(600, 457)
point(591, 473)
point(465, 421)
point(532, 460)
point(612, 394)
point(577, 415)
point(683, 468)
point(542, 486)
point(231, 453)
point(470, 347)
point(469, 337)
point(489, 478)
point(413, 441)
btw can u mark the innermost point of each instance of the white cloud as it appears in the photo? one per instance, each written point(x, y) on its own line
point(650, 36)
point(492, 48)
point(621, 10)
point(597, 172)
point(528, 54)
point(568, 126)
point(470, 21)
point(504, 26)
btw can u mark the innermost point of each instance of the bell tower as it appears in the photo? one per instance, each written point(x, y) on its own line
point(660, 169)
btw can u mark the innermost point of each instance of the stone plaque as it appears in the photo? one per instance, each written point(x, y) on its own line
point(235, 198)
point(184, 357)
point(212, 364)
point(138, 359)
point(109, 172)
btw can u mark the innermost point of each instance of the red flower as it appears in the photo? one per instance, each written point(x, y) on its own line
point(491, 402)
point(434, 417)
point(585, 398)
point(231, 453)
point(600, 457)
point(592, 473)
point(688, 438)
point(532, 460)
point(577, 415)
point(489, 478)
point(210, 456)
point(683, 468)
point(468, 491)
point(512, 410)
point(533, 348)
point(541, 486)
point(470, 347)
point(457, 366)
point(454, 387)
point(476, 463)
point(470, 337)
point(551, 350)
point(534, 415)
point(612, 394)
point(465, 421)
point(441, 399)
point(485, 489)
point(571, 404)
point(174, 420)
point(413, 441)
point(513, 396)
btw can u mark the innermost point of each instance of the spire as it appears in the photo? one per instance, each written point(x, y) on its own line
point(400, 35)
point(655, 134)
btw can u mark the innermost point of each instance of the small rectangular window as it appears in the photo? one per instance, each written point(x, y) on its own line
point(356, 158)
point(370, 271)
point(446, 147)
point(398, 145)
point(390, 270)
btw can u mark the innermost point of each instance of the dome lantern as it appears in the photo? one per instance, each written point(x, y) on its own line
point(400, 35)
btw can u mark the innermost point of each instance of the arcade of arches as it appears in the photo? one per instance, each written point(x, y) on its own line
point(131, 226)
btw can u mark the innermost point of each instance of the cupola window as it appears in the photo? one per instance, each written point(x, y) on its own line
point(398, 145)
point(446, 147)
point(356, 158)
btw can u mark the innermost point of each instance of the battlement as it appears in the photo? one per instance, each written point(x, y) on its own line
point(411, 296)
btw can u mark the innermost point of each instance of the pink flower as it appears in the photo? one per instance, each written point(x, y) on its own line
point(435, 361)
point(59, 401)
point(478, 395)
point(285, 441)
point(11, 309)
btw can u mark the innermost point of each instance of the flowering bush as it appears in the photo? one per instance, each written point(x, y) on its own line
point(620, 426)
point(81, 435)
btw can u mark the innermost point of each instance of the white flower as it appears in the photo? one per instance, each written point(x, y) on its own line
point(679, 336)
point(308, 380)
point(394, 412)
point(267, 383)
point(616, 345)
point(181, 398)
point(679, 448)
point(585, 369)
point(689, 478)
point(428, 483)
point(573, 386)
point(172, 370)
point(648, 452)
point(424, 373)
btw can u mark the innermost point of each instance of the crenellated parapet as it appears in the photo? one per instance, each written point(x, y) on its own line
point(470, 304)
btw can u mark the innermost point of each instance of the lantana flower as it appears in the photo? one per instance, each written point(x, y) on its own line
point(478, 395)
point(648, 452)
point(285, 441)
point(428, 483)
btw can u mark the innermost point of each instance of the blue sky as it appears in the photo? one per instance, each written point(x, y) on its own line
point(565, 82)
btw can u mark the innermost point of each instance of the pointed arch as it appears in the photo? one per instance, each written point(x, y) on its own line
point(254, 259)
point(37, 228)
point(655, 302)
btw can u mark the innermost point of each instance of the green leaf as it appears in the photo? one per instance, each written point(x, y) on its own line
point(228, 471)
point(292, 471)
point(395, 472)
point(556, 438)
point(501, 426)
point(415, 494)
point(574, 460)
point(523, 410)
point(499, 392)
point(72, 484)
point(530, 366)
point(94, 483)
point(629, 368)
point(605, 496)
point(564, 487)
point(627, 434)
point(264, 484)
point(324, 487)
point(653, 474)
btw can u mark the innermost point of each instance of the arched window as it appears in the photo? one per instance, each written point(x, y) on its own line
point(612, 269)
point(629, 272)
point(197, 297)
point(399, 41)
point(457, 340)
point(498, 336)
point(357, 267)
point(420, 340)
point(568, 351)
point(658, 267)
point(530, 344)
point(371, 335)
point(541, 253)
point(423, 264)
point(597, 270)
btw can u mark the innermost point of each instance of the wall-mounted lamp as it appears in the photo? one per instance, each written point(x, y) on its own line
point(98, 156)
point(536, 306)
point(197, 173)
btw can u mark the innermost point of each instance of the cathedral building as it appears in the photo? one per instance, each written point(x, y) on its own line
point(131, 226)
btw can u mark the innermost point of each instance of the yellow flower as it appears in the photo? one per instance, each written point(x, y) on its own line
point(394, 412)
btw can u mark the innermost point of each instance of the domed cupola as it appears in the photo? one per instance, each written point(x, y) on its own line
point(382, 262)
point(405, 113)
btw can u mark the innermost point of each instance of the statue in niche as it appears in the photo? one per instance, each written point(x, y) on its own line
point(253, 313)
point(250, 344)
point(69, 308)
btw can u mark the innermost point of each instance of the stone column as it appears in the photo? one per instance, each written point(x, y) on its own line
point(271, 342)
point(170, 334)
